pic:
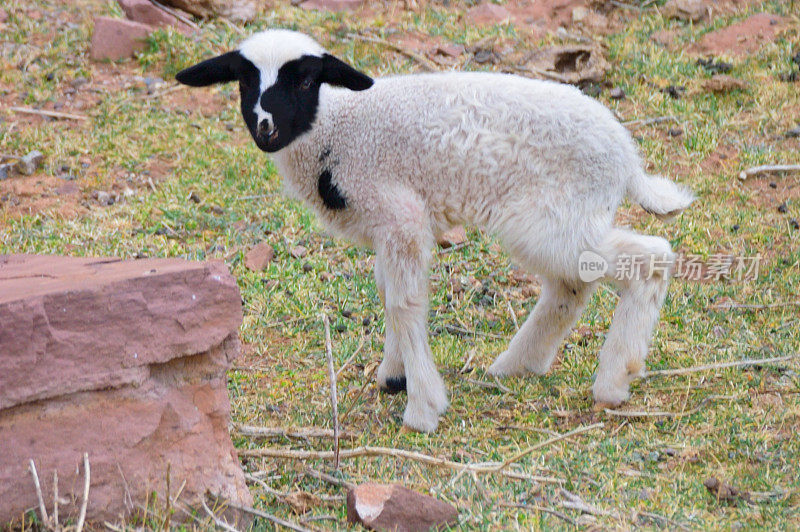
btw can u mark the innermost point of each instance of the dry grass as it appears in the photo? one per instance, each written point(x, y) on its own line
point(646, 471)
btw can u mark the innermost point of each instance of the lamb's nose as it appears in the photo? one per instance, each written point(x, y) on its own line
point(265, 126)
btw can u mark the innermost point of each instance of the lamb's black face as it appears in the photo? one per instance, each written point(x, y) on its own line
point(279, 102)
point(287, 108)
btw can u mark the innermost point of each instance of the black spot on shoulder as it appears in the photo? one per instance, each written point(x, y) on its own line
point(329, 192)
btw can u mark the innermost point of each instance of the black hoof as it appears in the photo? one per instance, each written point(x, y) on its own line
point(394, 385)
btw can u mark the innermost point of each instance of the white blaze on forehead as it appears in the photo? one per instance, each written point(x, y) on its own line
point(269, 51)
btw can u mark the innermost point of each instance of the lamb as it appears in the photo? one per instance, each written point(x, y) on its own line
point(392, 163)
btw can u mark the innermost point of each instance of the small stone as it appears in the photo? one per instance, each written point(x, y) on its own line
point(455, 236)
point(395, 507)
point(483, 56)
point(331, 5)
point(340, 328)
point(259, 257)
point(488, 14)
point(792, 133)
point(307, 267)
point(450, 49)
point(689, 10)
point(675, 132)
point(782, 208)
point(103, 197)
point(6, 170)
point(28, 164)
point(78, 82)
point(298, 252)
point(773, 184)
point(152, 84)
point(794, 224)
point(724, 83)
point(616, 93)
point(115, 38)
point(148, 13)
point(326, 277)
point(194, 198)
point(735, 227)
point(365, 322)
point(347, 313)
point(579, 14)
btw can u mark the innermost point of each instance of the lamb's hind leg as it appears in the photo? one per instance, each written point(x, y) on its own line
point(640, 265)
point(535, 346)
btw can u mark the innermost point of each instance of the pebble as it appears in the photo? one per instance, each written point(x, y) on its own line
point(675, 132)
point(794, 223)
point(793, 133)
point(28, 164)
point(782, 208)
point(773, 184)
point(298, 252)
point(616, 93)
point(103, 197)
point(307, 267)
point(6, 170)
point(78, 82)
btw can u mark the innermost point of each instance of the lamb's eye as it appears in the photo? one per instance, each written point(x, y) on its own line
point(306, 84)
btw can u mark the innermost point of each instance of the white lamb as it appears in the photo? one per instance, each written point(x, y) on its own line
point(394, 163)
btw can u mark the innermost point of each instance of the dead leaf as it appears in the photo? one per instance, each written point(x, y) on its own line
point(570, 64)
point(724, 491)
point(302, 501)
point(724, 83)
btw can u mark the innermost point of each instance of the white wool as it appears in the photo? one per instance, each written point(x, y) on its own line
point(537, 163)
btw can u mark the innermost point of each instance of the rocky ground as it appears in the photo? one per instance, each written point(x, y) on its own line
point(135, 166)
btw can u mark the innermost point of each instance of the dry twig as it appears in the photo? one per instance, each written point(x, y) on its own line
point(422, 60)
point(269, 517)
point(280, 432)
point(721, 365)
point(650, 121)
point(334, 398)
point(536, 508)
point(38, 487)
point(55, 500)
point(768, 168)
point(554, 439)
point(425, 458)
point(217, 521)
point(85, 501)
point(330, 479)
point(52, 114)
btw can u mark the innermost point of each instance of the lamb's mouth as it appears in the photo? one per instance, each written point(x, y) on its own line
point(272, 134)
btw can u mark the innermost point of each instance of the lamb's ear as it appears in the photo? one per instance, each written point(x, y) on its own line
point(220, 69)
point(339, 73)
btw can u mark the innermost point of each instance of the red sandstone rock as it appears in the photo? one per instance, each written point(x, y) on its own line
point(236, 10)
point(332, 5)
point(115, 38)
point(146, 12)
point(488, 14)
point(123, 360)
point(397, 508)
point(259, 257)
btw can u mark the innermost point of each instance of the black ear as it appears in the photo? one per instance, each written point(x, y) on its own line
point(221, 69)
point(339, 73)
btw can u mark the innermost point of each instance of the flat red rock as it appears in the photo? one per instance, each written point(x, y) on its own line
point(124, 360)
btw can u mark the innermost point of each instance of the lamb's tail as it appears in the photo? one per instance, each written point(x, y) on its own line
point(659, 196)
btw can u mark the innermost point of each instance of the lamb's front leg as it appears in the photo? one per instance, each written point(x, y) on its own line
point(391, 373)
point(403, 254)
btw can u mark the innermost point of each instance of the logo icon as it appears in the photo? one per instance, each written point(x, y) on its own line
point(591, 266)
